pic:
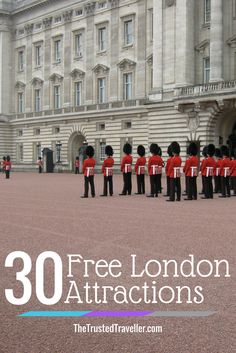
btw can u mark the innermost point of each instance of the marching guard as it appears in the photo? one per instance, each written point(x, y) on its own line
point(8, 166)
point(174, 173)
point(4, 164)
point(225, 168)
point(40, 164)
point(191, 172)
point(77, 165)
point(126, 169)
point(170, 154)
point(208, 171)
point(217, 178)
point(107, 170)
point(154, 170)
point(140, 169)
point(88, 171)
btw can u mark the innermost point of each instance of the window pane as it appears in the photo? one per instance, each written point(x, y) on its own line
point(78, 93)
point(101, 90)
point(127, 86)
point(128, 31)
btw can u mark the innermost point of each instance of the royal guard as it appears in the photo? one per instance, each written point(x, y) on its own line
point(88, 171)
point(191, 172)
point(217, 178)
point(160, 175)
point(77, 165)
point(107, 170)
point(208, 171)
point(40, 164)
point(233, 172)
point(140, 169)
point(184, 170)
point(225, 169)
point(4, 164)
point(169, 152)
point(174, 172)
point(202, 167)
point(126, 169)
point(154, 170)
point(8, 166)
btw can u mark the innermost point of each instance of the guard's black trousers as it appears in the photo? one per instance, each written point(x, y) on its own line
point(217, 180)
point(159, 186)
point(7, 172)
point(234, 184)
point(154, 184)
point(127, 178)
point(191, 187)
point(141, 184)
point(108, 180)
point(87, 181)
point(76, 170)
point(168, 186)
point(208, 187)
point(225, 187)
point(40, 169)
point(175, 187)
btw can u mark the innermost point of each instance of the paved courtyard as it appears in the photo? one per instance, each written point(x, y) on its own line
point(45, 212)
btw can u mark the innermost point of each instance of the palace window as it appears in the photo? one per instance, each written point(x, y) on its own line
point(128, 32)
point(102, 151)
point(38, 150)
point(206, 70)
point(57, 50)
point(21, 60)
point(20, 103)
point(20, 133)
point(101, 126)
point(57, 19)
point(57, 97)
point(20, 152)
point(38, 55)
point(78, 45)
point(79, 12)
point(102, 5)
point(78, 93)
point(37, 131)
point(37, 100)
point(207, 11)
point(101, 90)
point(102, 39)
point(127, 86)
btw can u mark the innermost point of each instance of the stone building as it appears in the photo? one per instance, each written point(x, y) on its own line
point(110, 71)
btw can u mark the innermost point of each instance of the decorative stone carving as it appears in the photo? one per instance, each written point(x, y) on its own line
point(126, 64)
point(29, 28)
point(55, 78)
point(202, 46)
point(169, 3)
point(47, 22)
point(76, 73)
point(193, 121)
point(67, 16)
point(36, 81)
point(89, 8)
point(150, 60)
point(100, 69)
point(20, 85)
point(232, 41)
point(114, 3)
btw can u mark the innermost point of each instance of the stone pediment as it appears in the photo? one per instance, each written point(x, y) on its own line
point(150, 60)
point(232, 41)
point(100, 69)
point(20, 85)
point(77, 73)
point(126, 64)
point(201, 46)
point(56, 78)
point(36, 81)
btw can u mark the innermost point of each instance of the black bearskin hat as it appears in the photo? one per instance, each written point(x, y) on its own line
point(90, 151)
point(154, 148)
point(77, 158)
point(192, 149)
point(224, 151)
point(159, 151)
point(8, 158)
point(175, 147)
point(234, 153)
point(127, 149)
point(141, 150)
point(218, 153)
point(169, 151)
point(211, 150)
point(109, 151)
point(4, 158)
point(204, 151)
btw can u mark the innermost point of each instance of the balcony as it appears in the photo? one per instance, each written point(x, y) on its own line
point(207, 89)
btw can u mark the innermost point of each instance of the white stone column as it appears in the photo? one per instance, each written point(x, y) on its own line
point(216, 41)
point(184, 63)
point(157, 49)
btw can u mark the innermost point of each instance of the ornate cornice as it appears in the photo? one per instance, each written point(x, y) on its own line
point(202, 46)
point(36, 81)
point(76, 73)
point(67, 16)
point(100, 69)
point(29, 28)
point(126, 64)
point(56, 78)
point(232, 41)
point(114, 3)
point(47, 22)
point(20, 85)
point(90, 7)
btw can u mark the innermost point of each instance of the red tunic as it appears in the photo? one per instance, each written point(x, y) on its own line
point(167, 166)
point(208, 167)
point(3, 165)
point(154, 160)
point(218, 166)
point(127, 159)
point(175, 162)
point(190, 166)
point(77, 163)
point(8, 165)
point(88, 163)
point(108, 163)
point(141, 162)
point(225, 167)
point(233, 168)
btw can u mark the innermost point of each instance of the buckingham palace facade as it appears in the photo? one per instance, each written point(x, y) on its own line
point(110, 71)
